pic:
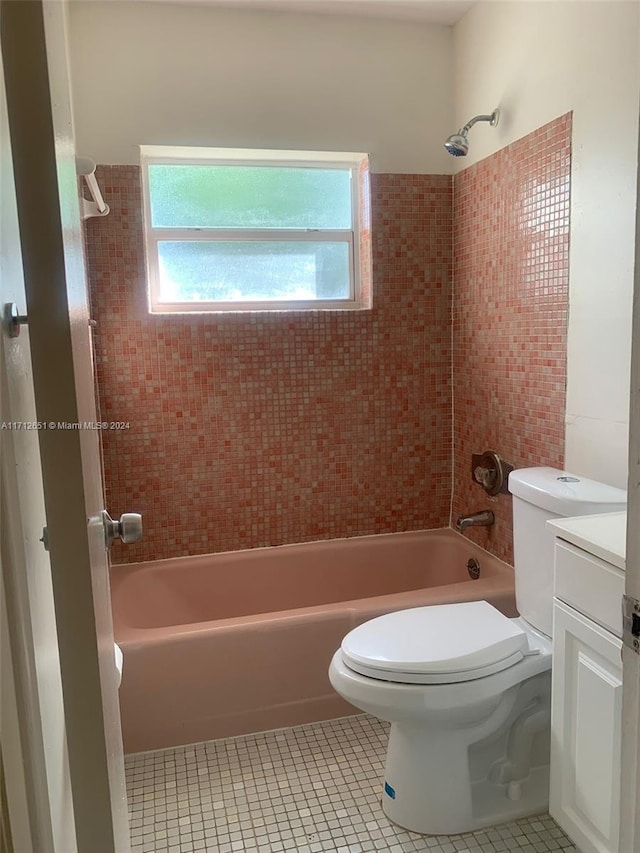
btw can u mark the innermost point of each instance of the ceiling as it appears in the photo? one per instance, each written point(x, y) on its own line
point(426, 11)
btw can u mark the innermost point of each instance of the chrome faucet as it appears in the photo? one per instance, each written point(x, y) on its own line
point(485, 518)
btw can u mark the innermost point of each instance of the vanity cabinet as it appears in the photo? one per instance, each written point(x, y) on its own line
point(586, 705)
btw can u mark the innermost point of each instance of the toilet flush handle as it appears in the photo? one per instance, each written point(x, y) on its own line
point(128, 528)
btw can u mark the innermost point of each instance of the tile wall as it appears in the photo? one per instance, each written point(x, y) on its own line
point(511, 273)
point(252, 430)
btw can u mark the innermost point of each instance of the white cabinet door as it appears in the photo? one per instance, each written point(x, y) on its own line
point(585, 730)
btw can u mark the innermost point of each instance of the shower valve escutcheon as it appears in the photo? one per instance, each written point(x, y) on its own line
point(128, 528)
point(491, 472)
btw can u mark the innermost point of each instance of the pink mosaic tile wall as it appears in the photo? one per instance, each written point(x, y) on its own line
point(252, 430)
point(511, 273)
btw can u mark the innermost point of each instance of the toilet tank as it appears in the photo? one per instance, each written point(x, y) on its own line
point(538, 495)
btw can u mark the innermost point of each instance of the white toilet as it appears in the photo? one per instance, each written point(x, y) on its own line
point(466, 689)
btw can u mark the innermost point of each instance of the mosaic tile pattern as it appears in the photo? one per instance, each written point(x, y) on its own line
point(265, 429)
point(308, 789)
point(252, 430)
point(511, 273)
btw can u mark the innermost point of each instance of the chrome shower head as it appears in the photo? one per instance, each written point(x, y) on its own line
point(458, 143)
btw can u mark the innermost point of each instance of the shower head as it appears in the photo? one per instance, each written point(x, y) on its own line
point(458, 143)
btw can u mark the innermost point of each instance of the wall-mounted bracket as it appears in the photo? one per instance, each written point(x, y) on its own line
point(491, 472)
point(13, 319)
point(96, 206)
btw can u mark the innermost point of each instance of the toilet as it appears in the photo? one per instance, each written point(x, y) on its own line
point(467, 690)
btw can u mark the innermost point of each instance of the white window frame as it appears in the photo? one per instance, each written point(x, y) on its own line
point(189, 156)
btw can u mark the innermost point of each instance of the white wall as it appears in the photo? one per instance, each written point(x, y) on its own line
point(536, 61)
point(163, 73)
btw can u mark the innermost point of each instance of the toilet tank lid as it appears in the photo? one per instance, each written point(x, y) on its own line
point(565, 494)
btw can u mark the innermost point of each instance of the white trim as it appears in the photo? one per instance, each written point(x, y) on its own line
point(355, 283)
point(258, 156)
point(150, 263)
point(250, 235)
point(244, 307)
point(161, 155)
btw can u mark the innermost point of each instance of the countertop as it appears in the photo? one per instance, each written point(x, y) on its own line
point(604, 536)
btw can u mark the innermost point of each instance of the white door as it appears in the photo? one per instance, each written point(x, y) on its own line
point(32, 724)
point(34, 53)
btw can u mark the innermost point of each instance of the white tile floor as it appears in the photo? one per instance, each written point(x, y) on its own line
point(308, 789)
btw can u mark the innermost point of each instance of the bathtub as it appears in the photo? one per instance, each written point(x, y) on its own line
point(240, 642)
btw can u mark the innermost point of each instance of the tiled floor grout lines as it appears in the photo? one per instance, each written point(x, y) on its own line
point(307, 789)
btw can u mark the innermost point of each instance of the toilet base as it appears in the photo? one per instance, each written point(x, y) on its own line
point(449, 802)
point(494, 807)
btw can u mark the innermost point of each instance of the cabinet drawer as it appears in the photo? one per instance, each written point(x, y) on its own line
point(592, 586)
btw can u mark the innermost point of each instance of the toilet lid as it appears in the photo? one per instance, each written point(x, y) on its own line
point(444, 643)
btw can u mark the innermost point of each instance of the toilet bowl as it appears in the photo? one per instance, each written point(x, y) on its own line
point(467, 690)
point(454, 681)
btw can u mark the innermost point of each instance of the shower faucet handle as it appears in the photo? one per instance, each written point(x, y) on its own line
point(490, 471)
point(128, 528)
point(485, 476)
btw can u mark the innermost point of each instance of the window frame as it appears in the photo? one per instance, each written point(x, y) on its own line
point(191, 156)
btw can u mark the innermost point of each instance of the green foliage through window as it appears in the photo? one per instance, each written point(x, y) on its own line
point(205, 196)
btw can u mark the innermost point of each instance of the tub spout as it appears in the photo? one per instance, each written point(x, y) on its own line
point(485, 518)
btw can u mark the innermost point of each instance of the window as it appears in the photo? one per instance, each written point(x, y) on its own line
point(245, 230)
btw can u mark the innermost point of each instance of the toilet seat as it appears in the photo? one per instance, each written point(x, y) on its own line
point(438, 644)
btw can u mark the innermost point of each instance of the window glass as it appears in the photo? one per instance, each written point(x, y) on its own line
point(223, 196)
point(232, 271)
